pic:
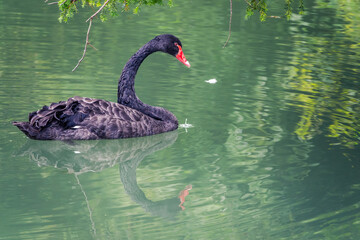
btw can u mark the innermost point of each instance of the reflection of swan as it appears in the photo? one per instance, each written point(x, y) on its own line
point(165, 208)
point(94, 156)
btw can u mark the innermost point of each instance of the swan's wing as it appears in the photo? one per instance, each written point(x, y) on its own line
point(87, 118)
point(64, 113)
point(78, 111)
point(113, 120)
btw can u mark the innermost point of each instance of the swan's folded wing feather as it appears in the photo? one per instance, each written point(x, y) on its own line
point(87, 118)
point(63, 113)
point(111, 110)
point(75, 110)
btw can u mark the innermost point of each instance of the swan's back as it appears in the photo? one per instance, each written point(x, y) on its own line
point(86, 118)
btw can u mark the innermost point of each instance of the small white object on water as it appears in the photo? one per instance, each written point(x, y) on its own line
point(211, 81)
point(186, 125)
point(76, 127)
point(77, 152)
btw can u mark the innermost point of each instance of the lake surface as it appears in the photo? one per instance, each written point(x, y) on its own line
point(273, 151)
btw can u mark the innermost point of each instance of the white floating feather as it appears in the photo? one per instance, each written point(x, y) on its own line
point(211, 81)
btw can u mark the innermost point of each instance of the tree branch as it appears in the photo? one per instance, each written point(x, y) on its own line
point(87, 35)
point(51, 2)
point(58, 2)
point(98, 10)
point(248, 3)
point(229, 25)
point(85, 48)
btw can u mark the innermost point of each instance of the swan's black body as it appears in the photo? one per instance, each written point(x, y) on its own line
point(85, 118)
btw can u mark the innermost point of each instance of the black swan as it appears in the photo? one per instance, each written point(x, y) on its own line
point(85, 118)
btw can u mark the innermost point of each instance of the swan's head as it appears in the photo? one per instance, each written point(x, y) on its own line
point(170, 44)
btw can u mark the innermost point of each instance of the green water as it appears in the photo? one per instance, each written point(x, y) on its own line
point(274, 148)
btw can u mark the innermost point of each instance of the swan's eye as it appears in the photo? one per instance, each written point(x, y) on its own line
point(176, 44)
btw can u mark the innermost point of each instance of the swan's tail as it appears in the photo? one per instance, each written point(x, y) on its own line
point(24, 127)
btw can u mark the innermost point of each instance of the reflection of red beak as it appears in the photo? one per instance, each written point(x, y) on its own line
point(181, 57)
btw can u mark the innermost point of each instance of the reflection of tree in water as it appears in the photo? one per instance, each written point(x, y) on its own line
point(94, 156)
point(323, 83)
point(302, 159)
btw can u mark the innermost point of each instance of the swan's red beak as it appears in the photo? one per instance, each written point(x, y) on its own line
point(181, 57)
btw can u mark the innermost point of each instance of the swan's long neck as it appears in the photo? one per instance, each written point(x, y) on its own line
point(126, 89)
